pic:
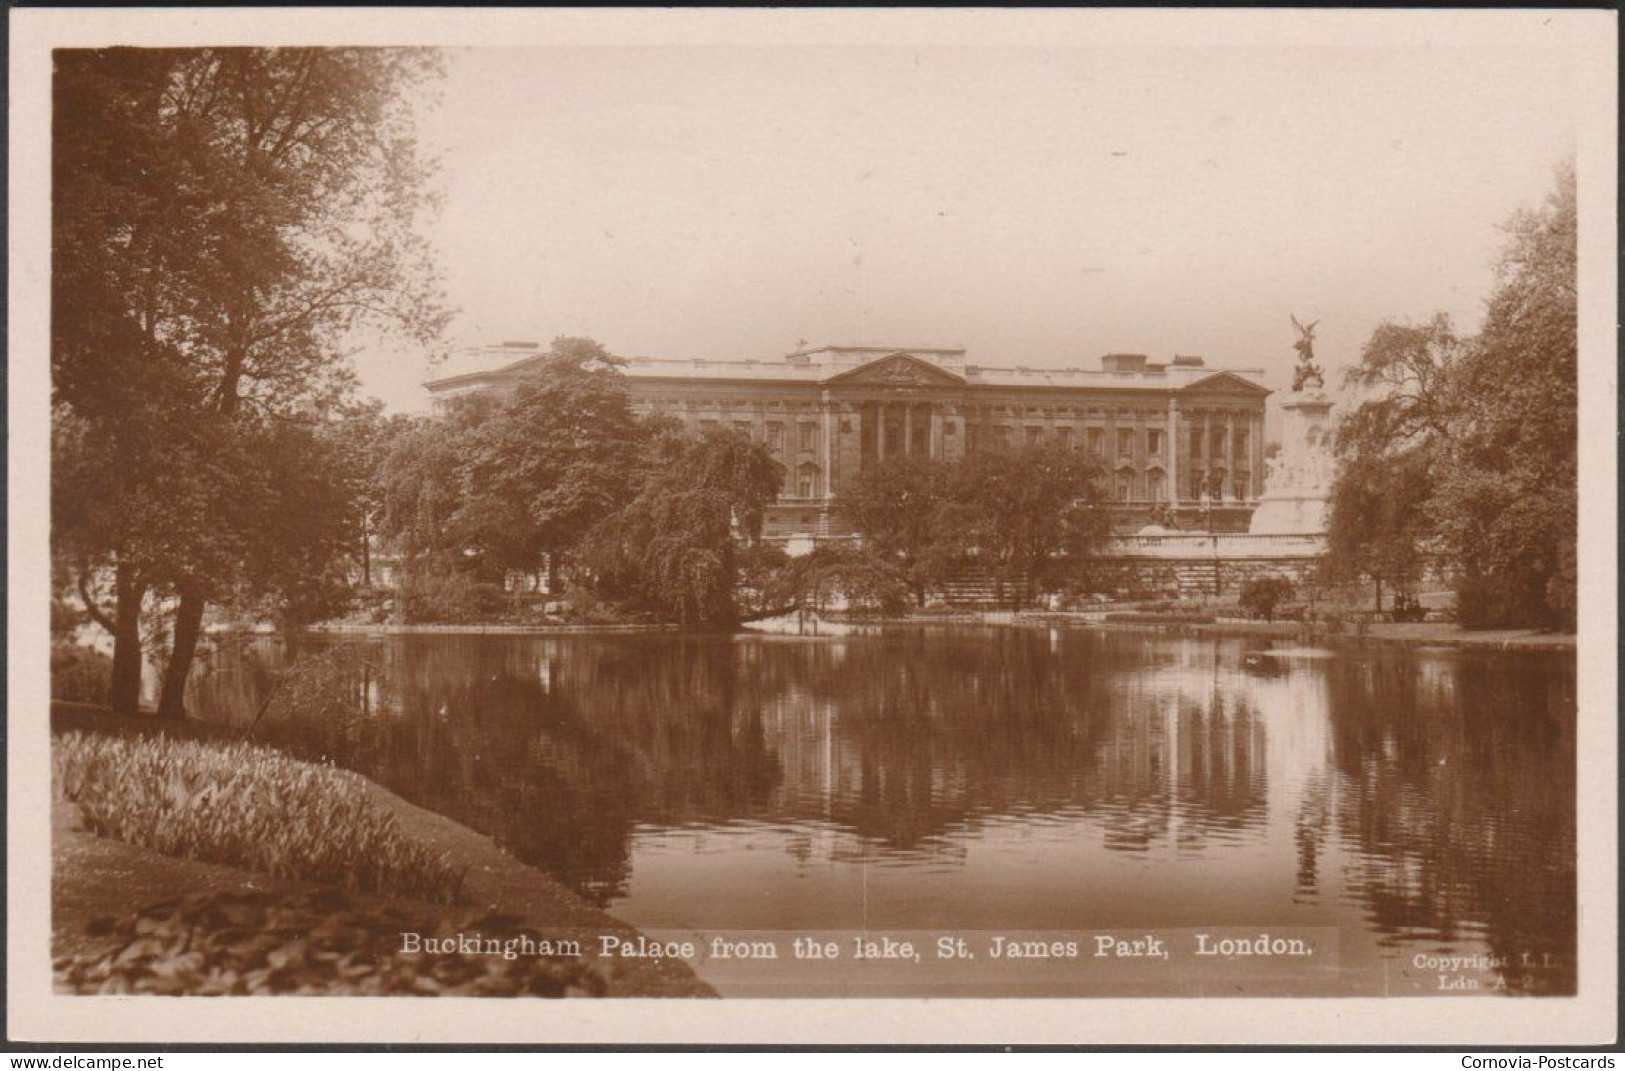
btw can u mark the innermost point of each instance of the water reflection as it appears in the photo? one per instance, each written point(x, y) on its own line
point(998, 777)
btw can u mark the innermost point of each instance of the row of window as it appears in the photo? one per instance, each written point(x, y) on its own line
point(806, 433)
point(1095, 439)
point(806, 438)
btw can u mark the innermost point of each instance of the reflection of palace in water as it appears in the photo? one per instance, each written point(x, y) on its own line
point(1171, 754)
point(1434, 792)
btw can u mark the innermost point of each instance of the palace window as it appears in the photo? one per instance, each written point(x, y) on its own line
point(1198, 482)
point(743, 427)
point(807, 480)
point(1156, 485)
point(708, 425)
point(1125, 442)
point(775, 436)
point(1125, 484)
point(1243, 486)
point(1097, 442)
point(1215, 484)
point(809, 436)
point(1218, 442)
point(1034, 434)
point(1065, 435)
point(1239, 441)
point(1153, 444)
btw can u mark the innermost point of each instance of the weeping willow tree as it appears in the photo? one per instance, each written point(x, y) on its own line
point(676, 545)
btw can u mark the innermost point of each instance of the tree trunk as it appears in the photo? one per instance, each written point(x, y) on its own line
point(1379, 594)
point(552, 573)
point(188, 626)
point(124, 690)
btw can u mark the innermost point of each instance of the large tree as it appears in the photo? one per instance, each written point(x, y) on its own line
point(223, 219)
point(118, 240)
point(1380, 521)
point(675, 545)
point(1469, 447)
point(495, 484)
point(1033, 514)
point(1378, 528)
point(563, 455)
point(1508, 500)
point(900, 508)
point(311, 520)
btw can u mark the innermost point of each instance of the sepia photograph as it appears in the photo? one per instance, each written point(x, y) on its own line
point(773, 506)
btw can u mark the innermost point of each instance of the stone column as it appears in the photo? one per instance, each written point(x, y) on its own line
point(908, 428)
point(1257, 460)
point(935, 444)
point(1230, 454)
point(1110, 454)
point(827, 414)
point(880, 432)
point(1173, 453)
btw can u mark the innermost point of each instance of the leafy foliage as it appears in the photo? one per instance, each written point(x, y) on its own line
point(1261, 595)
point(1034, 514)
point(245, 806)
point(1030, 515)
point(673, 545)
point(866, 580)
point(1379, 525)
point(498, 484)
point(1470, 447)
point(79, 674)
point(429, 594)
point(902, 507)
point(319, 943)
point(223, 219)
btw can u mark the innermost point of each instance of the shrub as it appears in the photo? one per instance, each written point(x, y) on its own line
point(79, 674)
point(1262, 594)
point(868, 583)
point(449, 597)
point(316, 943)
point(246, 806)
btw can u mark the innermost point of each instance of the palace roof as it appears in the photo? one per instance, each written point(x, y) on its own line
point(1117, 371)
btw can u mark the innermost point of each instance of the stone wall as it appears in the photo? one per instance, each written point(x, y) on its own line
point(1190, 566)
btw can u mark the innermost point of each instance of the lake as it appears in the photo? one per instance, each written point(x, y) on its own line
point(1407, 814)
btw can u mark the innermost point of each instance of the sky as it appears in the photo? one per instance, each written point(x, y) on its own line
point(1035, 206)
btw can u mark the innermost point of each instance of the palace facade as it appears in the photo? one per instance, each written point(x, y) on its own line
point(1183, 442)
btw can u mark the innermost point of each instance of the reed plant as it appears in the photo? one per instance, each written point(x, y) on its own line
point(246, 806)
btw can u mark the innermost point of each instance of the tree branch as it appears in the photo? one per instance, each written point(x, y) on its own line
point(97, 614)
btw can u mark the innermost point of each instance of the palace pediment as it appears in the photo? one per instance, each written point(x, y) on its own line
point(900, 370)
point(1224, 384)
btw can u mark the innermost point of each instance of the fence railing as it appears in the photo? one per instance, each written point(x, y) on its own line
point(1216, 545)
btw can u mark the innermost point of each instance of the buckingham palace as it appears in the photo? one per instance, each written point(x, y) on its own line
point(1182, 441)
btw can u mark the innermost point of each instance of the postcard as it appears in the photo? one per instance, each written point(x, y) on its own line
point(959, 526)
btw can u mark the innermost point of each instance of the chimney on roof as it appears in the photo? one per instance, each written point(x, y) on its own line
point(521, 345)
point(1123, 362)
point(1185, 360)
